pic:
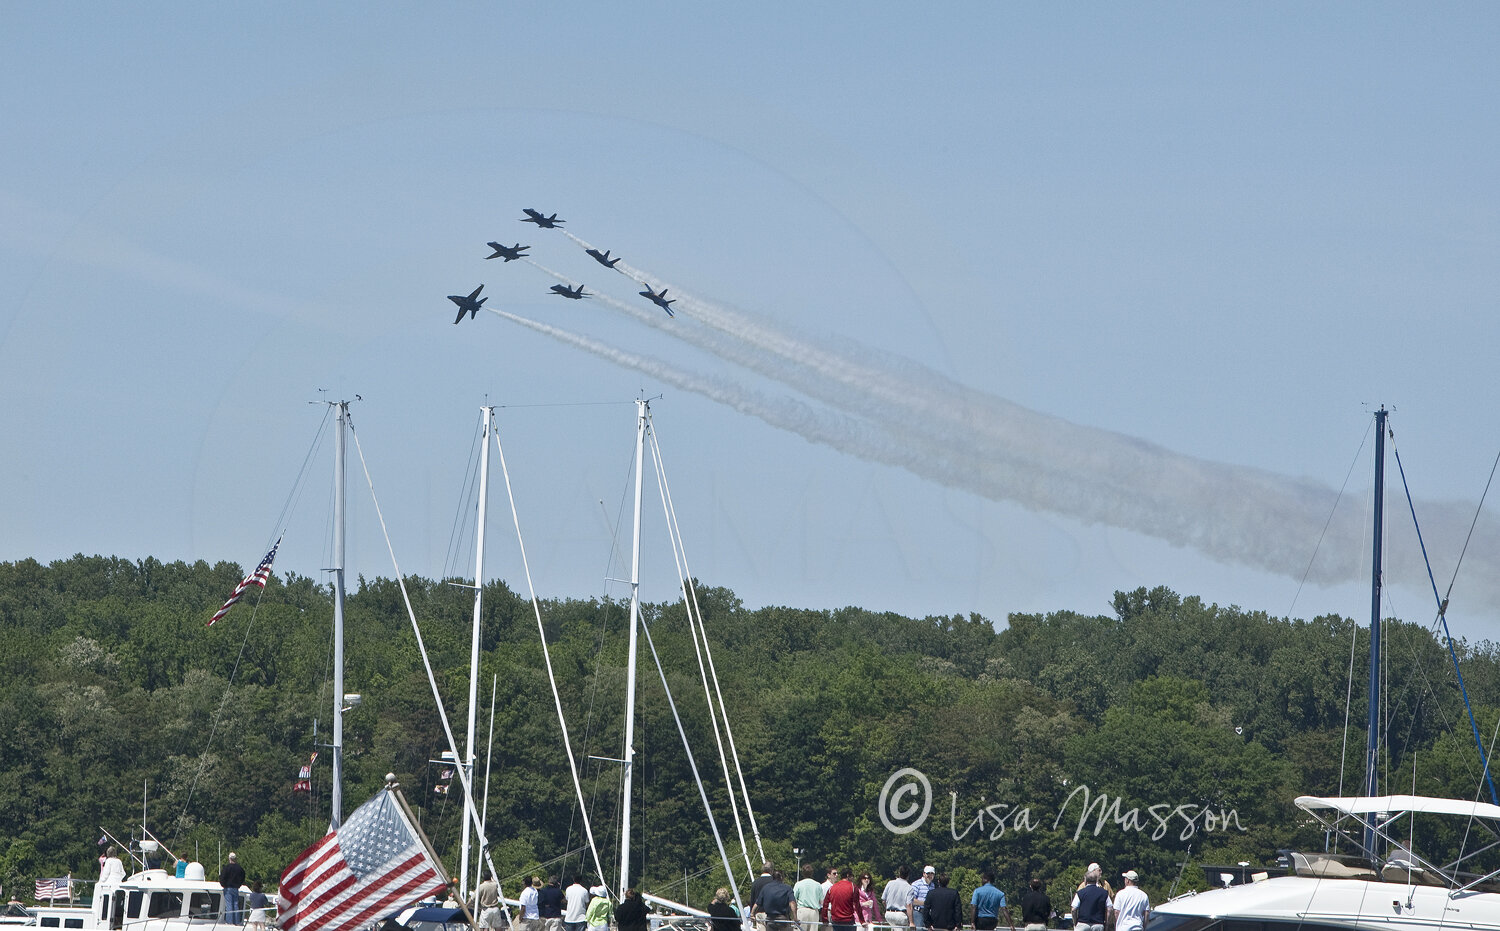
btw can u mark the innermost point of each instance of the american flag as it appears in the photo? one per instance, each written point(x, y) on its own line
point(259, 577)
point(53, 888)
point(370, 866)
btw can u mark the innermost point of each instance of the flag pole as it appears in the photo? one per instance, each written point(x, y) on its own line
point(394, 787)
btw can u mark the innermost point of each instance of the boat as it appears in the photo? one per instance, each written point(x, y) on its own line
point(1387, 884)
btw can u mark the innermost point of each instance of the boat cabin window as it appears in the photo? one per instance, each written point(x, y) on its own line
point(133, 905)
point(165, 905)
point(49, 922)
point(72, 922)
point(204, 906)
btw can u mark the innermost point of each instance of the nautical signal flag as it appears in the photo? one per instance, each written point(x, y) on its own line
point(440, 789)
point(370, 866)
point(259, 578)
point(302, 785)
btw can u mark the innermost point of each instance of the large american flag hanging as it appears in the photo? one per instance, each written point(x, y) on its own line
point(371, 865)
point(53, 888)
point(259, 577)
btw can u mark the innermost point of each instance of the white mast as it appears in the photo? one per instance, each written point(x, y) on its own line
point(468, 761)
point(336, 815)
point(635, 613)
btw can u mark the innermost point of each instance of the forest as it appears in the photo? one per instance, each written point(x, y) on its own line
point(1165, 734)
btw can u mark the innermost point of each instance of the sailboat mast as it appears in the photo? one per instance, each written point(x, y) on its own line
point(468, 762)
point(336, 815)
point(635, 612)
point(1372, 741)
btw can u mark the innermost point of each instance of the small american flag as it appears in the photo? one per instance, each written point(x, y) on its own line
point(371, 865)
point(259, 577)
point(53, 888)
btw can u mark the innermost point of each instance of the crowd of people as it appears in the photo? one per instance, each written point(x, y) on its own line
point(844, 902)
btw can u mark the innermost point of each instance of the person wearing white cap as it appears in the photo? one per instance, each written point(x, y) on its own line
point(600, 910)
point(1132, 907)
point(917, 908)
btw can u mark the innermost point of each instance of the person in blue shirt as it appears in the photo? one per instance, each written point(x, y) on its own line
point(987, 904)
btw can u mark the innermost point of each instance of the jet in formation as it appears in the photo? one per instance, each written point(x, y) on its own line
point(603, 257)
point(468, 305)
point(545, 223)
point(575, 293)
point(660, 300)
point(509, 253)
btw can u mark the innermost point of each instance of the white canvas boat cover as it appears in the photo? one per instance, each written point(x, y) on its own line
point(1395, 804)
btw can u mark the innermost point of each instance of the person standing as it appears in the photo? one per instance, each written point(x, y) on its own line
point(766, 869)
point(722, 915)
point(111, 870)
point(575, 914)
point(809, 893)
point(600, 911)
point(897, 898)
point(916, 909)
point(867, 903)
point(944, 913)
point(259, 907)
point(549, 905)
point(987, 904)
point(530, 916)
point(1036, 907)
point(487, 904)
point(778, 903)
point(1090, 905)
point(231, 877)
point(839, 902)
point(631, 915)
point(1132, 906)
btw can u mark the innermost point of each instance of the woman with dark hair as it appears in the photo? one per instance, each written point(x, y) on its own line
point(866, 903)
point(631, 915)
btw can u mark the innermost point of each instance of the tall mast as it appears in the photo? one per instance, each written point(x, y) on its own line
point(468, 762)
point(1372, 742)
point(336, 815)
point(635, 612)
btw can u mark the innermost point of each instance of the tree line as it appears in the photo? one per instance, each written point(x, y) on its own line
point(1165, 733)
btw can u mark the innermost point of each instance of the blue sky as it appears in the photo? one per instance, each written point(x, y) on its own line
point(1129, 280)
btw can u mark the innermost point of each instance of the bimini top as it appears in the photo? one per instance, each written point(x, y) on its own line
point(1397, 804)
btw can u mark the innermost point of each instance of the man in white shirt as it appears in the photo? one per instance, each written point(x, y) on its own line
point(1132, 907)
point(576, 912)
point(530, 920)
point(897, 897)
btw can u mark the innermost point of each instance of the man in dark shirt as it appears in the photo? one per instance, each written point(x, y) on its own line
point(759, 884)
point(549, 905)
point(1036, 907)
point(231, 878)
point(777, 903)
point(944, 912)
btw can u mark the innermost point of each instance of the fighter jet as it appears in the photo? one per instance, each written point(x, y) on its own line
point(602, 257)
point(574, 293)
point(468, 304)
point(547, 223)
point(509, 253)
point(660, 300)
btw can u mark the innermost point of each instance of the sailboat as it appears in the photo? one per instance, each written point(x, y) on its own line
point(1387, 885)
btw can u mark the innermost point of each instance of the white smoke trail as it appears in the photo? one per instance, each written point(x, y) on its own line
point(967, 439)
